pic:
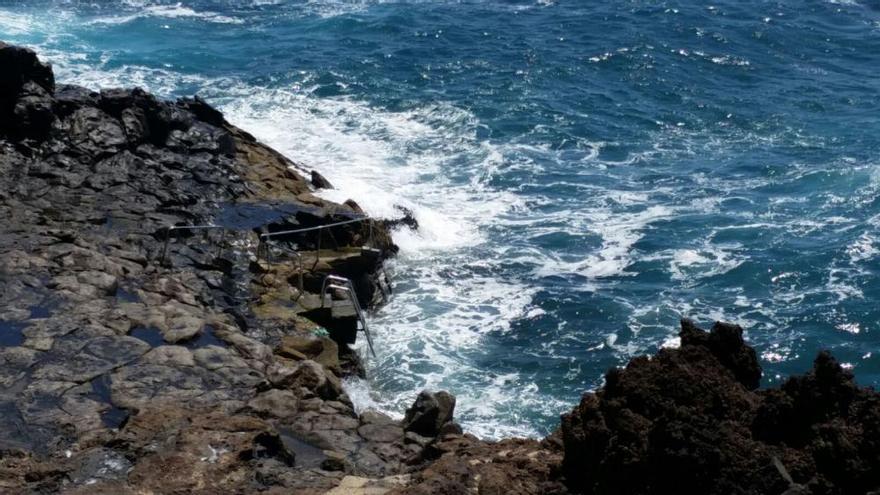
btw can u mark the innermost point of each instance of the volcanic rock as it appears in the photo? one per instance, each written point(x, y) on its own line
point(429, 413)
point(689, 420)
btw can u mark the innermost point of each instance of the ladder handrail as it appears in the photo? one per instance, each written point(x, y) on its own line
point(344, 285)
point(268, 235)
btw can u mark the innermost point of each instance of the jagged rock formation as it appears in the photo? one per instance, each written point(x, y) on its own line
point(690, 420)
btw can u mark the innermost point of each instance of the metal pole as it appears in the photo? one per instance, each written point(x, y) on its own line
point(348, 288)
point(318, 250)
point(299, 260)
point(165, 246)
point(317, 227)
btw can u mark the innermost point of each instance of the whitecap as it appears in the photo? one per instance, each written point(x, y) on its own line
point(168, 11)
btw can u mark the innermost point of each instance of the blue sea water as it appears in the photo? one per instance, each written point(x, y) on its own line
point(584, 173)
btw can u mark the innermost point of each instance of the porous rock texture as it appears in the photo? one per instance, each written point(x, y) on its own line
point(691, 420)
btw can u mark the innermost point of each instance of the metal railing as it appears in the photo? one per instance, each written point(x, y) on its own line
point(266, 248)
point(344, 285)
point(331, 282)
point(266, 237)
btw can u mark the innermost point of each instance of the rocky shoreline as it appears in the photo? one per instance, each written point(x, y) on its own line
point(163, 331)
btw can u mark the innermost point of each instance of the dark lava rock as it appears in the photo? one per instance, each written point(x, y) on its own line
point(408, 219)
point(726, 343)
point(689, 420)
point(21, 65)
point(203, 111)
point(26, 87)
point(429, 413)
point(319, 181)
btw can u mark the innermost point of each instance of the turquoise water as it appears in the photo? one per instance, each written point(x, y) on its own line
point(584, 173)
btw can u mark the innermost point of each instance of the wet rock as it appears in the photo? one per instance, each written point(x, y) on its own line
point(26, 85)
point(215, 357)
point(353, 206)
point(319, 182)
point(408, 219)
point(227, 385)
point(170, 355)
point(416, 439)
point(203, 111)
point(100, 465)
point(82, 361)
point(104, 282)
point(14, 363)
point(429, 413)
point(134, 123)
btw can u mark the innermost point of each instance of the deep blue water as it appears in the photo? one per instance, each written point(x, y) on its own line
point(585, 173)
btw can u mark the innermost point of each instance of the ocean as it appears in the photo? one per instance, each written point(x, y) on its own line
point(584, 173)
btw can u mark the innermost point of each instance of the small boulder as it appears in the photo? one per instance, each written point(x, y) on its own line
point(320, 182)
point(322, 350)
point(408, 219)
point(354, 206)
point(416, 439)
point(429, 413)
point(451, 428)
point(307, 375)
point(203, 111)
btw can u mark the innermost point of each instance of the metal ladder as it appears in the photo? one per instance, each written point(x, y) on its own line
point(344, 285)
